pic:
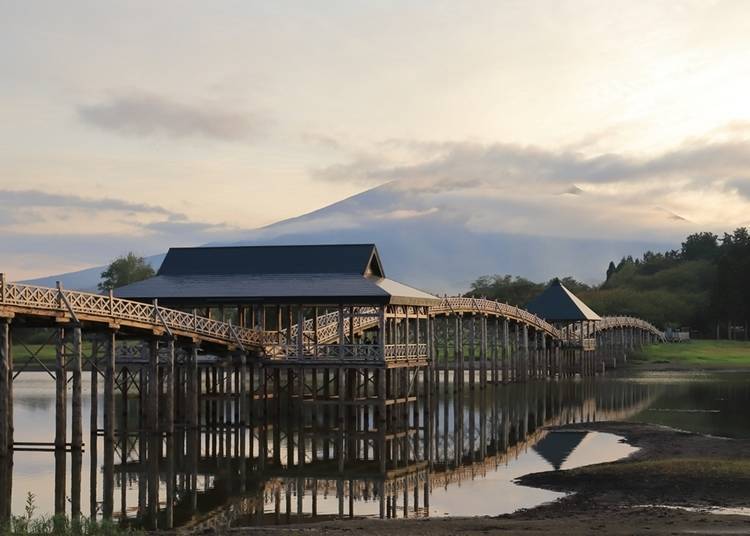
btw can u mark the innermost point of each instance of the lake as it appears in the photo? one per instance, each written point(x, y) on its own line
point(464, 464)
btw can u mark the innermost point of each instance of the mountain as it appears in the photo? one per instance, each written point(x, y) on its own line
point(440, 237)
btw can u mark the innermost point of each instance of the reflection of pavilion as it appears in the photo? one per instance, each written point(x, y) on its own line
point(558, 446)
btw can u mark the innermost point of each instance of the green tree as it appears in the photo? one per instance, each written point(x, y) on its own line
point(611, 269)
point(125, 270)
point(700, 246)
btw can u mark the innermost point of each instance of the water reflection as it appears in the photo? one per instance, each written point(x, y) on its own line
point(457, 456)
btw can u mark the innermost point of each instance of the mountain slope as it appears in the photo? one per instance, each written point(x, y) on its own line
point(441, 238)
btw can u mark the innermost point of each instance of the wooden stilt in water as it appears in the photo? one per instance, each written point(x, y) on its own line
point(61, 389)
point(6, 442)
point(77, 406)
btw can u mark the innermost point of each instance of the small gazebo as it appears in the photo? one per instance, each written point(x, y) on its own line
point(560, 307)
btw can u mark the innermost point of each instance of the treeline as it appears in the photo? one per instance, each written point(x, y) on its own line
point(705, 285)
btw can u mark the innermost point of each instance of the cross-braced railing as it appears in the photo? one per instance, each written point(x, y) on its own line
point(107, 308)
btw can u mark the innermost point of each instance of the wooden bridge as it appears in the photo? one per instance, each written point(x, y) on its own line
point(339, 343)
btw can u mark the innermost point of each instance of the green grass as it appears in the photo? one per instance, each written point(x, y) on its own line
point(60, 525)
point(698, 468)
point(698, 353)
point(46, 355)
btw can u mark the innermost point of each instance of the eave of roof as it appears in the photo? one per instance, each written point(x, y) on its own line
point(277, 288)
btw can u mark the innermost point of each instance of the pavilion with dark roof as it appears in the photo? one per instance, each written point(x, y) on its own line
point(560, 307)
point(278, 288)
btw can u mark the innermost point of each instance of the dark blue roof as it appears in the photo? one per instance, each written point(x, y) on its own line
point(558, 304)
point(359, 259)
point(349, 274)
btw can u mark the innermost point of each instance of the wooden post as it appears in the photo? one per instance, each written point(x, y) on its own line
point(77, 417)
point(109, 389)
point(5, 379)
point(61, 385)
point(153, 385)
point(169, 385)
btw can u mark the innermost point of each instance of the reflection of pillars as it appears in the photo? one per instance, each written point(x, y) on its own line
point(6, 487)
point(154, 451)
point(5, 378)
point(170, 476)
point(60, 474)
point(289, 420)
point(108, 479)
point(77, 417)
point(483, 425)
point(93, 471)
point(381, 498)
point(75, 484)
point(60, 395)
point(193, 445)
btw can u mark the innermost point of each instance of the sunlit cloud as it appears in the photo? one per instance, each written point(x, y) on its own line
point(142, 114)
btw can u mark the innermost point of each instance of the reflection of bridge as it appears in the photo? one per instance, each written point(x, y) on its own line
point(230, 488)
point(334, 339)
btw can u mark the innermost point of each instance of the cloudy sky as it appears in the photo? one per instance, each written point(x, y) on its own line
point(148, 124)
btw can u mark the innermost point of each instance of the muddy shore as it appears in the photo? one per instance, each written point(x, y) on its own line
point(671, 469)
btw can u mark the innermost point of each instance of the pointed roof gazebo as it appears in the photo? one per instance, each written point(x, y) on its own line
point(558, 305)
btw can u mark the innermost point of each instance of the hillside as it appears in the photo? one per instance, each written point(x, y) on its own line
point(438, 238)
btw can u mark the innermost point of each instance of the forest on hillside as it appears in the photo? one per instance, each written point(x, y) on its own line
point(705, 285)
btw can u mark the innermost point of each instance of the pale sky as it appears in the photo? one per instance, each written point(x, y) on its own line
point(140, 125)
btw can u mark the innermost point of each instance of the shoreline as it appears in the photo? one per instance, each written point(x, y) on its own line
point(671, 469)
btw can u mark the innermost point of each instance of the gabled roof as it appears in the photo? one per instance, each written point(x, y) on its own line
point(355, 259)
point(558, 304)
point(315, 275)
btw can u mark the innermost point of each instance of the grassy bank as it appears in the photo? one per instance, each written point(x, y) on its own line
point(698, 353)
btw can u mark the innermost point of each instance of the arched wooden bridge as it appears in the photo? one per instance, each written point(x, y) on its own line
point(63, 306)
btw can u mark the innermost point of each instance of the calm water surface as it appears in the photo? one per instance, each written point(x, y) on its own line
point(480, 444)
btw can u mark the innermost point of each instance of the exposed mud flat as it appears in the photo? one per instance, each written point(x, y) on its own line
point(671, 469)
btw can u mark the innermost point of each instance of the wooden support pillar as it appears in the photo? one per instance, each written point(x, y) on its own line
point(6, 441)
point(109, 388)
point(169, 386)
point(506, 350)
point(525, 347)
point(152, 411)
point(77, 406)
point(61, 391)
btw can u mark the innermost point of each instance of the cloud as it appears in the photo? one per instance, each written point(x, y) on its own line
point(456, 165)
point(141, 114)
point(37, 198)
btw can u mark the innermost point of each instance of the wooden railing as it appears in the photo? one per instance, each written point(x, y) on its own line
point(116, 310)
point(460, 304)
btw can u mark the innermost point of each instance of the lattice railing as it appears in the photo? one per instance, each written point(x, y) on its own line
point(460, 304)
point(109, 308)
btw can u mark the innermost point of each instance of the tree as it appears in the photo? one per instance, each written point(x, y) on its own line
point(611, 269)
point(125, 270)
point(700, 246)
